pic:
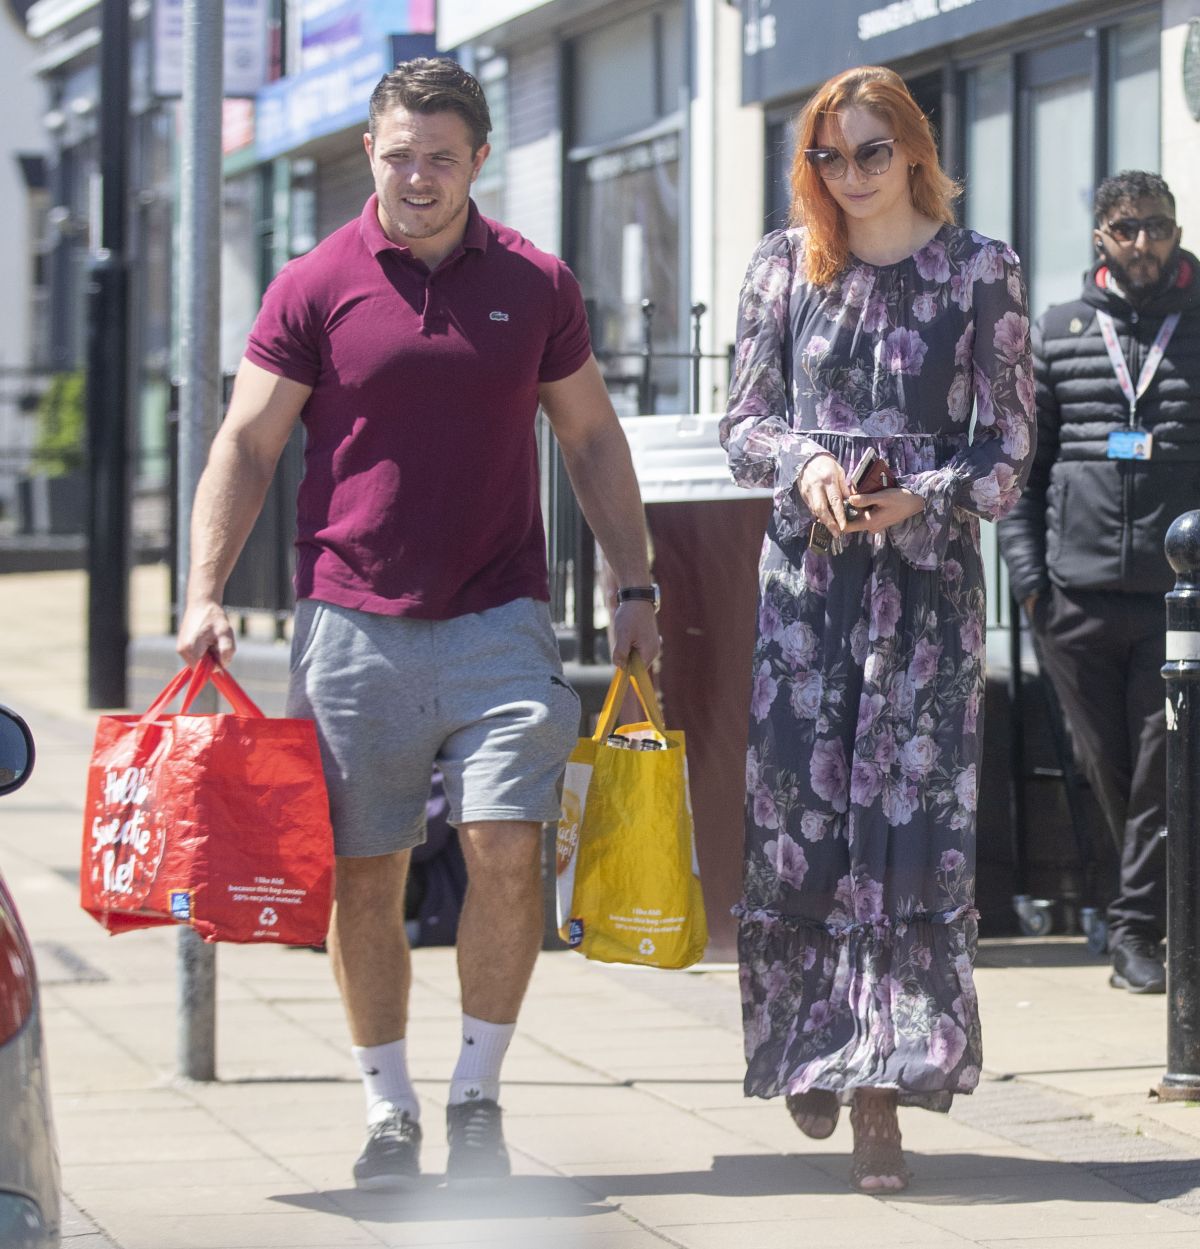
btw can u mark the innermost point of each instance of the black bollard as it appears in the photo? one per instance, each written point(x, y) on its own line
point(1182, 675)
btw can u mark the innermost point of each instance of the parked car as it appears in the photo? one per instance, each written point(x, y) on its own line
point(29, 1200)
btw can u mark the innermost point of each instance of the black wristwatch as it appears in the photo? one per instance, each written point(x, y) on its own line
point(640, 594)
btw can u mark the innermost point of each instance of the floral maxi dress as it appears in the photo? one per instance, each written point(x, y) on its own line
point(857, 928)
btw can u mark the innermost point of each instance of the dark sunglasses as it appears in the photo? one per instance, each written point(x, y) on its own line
point(872, 158)
point(1126, 229)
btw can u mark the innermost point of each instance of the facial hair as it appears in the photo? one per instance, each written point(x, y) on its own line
point(1140, 293)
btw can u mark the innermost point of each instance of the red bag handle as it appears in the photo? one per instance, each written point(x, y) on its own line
point(195, 679)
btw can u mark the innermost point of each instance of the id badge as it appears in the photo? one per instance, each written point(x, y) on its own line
point(1130, 444)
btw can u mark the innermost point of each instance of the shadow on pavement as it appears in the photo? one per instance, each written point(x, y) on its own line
point(940, 1179)
point(1037, 952)
point(522, 1197)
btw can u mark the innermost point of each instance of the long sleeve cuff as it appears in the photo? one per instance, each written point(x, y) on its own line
point(792, 516)
point(922, 538)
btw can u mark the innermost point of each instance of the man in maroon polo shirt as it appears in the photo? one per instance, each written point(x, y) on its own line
point(416, 345)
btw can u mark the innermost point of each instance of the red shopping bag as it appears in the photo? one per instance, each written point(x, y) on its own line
point(218, 821)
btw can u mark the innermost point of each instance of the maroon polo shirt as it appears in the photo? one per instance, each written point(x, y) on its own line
point(420, 491)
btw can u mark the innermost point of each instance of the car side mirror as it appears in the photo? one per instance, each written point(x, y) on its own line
point(16, 751)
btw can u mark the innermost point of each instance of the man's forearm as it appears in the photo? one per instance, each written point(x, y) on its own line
point(228, 499)
point(607, 489)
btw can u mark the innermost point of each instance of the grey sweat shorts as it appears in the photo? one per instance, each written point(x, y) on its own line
point(482, 695)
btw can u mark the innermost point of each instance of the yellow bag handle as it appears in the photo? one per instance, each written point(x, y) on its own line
point(642, 687)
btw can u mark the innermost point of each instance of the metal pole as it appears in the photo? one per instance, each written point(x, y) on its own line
point(1182, 675)
point(698, 311)
point(585, 593)
point(645, 385)
point(108, 379)
point(199, 407)
point(1018, 811)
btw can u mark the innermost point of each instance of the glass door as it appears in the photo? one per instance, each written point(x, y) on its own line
point(1058, 102)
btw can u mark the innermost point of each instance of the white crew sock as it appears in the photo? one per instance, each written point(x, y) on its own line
point(384, 1071)
point(477, 1075)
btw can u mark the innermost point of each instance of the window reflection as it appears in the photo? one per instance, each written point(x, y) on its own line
point(1133, 87)
point(628, 250)
point(989, 142)
point(1062, 176)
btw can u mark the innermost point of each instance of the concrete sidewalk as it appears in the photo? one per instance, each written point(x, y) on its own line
point(622, 1090)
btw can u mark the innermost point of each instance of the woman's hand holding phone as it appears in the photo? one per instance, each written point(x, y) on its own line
point(866, 502)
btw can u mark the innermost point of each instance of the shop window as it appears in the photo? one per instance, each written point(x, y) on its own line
point(989, 128)
point(1061, 171)
point(240, 290)
point(1042, 127)
point(1133, 89)
point(488, 190)
point(627, 84)
point(628, 250)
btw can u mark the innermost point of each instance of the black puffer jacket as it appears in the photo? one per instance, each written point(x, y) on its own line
point(1086, 522)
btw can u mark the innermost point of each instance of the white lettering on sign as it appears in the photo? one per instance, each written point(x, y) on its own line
point(648, 155)
point(893, 17)
point(759, 31)
point(760, 34)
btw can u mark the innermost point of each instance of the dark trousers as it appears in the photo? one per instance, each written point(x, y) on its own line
point(1104, 653)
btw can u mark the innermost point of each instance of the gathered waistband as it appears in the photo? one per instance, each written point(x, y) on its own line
point(856, 436)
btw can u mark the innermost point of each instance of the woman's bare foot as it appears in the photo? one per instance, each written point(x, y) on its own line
point(878, 1158)
point(815, 1113)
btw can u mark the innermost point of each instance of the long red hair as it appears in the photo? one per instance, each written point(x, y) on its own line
point(880, 91)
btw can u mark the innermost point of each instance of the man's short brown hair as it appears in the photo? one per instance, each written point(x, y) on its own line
point(433, 84)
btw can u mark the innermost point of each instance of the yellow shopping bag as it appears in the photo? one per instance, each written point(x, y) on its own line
point(628, 880)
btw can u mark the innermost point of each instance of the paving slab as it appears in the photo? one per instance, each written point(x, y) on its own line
point(839, 1233)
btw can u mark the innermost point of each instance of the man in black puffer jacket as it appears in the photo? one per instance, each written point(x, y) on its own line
point(1118, 459)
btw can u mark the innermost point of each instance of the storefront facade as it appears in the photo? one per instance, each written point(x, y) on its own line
point(1034, 101)
point(613, 115)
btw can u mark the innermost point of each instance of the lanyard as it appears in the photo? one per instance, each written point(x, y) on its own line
point(1121, 369)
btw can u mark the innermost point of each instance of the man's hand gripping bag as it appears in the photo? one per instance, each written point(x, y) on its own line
point(628, 880)
point(218, 821)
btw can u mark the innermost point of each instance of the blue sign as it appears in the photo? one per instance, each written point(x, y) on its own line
point(333, 29)
point(297, 109)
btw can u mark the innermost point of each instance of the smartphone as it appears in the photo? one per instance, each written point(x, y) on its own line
point(870, 474)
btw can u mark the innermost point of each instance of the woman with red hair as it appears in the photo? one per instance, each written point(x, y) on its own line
point(873, 326)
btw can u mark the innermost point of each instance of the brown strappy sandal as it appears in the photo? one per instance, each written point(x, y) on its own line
point(877, 1149)
point(815, 1106)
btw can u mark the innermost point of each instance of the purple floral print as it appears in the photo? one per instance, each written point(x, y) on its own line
point(857, 925)
point(788, 858)
point(932, 264)
point(903, 351)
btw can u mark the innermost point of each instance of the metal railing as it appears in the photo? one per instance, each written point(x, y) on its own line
point(570, 541)
point(648, 354)
point(21, 391)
